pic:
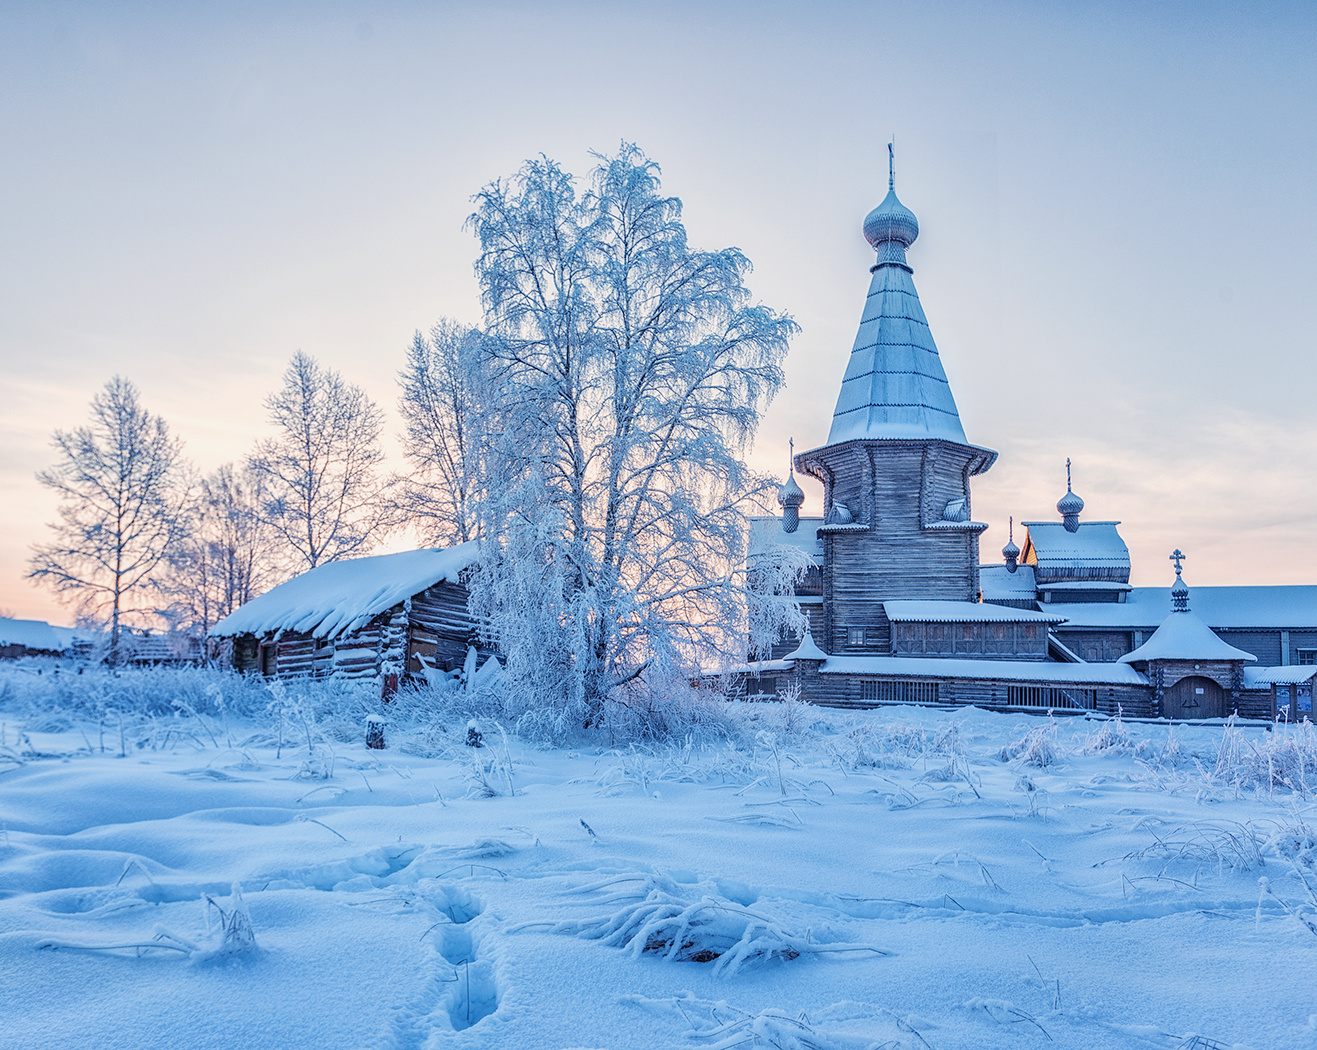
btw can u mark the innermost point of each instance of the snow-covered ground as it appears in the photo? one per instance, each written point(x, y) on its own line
point(887, 879)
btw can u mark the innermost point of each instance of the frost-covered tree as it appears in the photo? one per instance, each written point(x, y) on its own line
point(323, 494)
point(229, 555)
point(124, 492)
point(631, 371)
point(445, 391)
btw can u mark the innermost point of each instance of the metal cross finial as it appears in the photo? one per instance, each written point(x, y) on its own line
point(791, 463)
point(1178, 557)
point(891, 164)
point(1067, 473)
point(1012, 535)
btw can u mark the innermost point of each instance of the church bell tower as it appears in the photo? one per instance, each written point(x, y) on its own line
point(896, 468)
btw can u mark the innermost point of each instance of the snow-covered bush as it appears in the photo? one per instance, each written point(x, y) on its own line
point(668, 922)
point(1111, 738)
point(93, 692)
point(1285, 758)
point(1038, 747)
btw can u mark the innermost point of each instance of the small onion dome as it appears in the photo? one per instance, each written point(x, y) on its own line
point(1069, 504)
point(790, 494)
point(891, 221)
point(1010, 552)
point(1179, 595)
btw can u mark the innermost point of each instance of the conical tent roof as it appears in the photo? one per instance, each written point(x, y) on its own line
point(1184, 636)
point(894, 385)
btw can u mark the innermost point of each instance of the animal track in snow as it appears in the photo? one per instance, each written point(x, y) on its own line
point(462, 988)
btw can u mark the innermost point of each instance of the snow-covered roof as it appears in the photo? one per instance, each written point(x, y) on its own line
point(1267, 608)
point(342, 596)
point(996, 670)
point(1262, 677)
point(806, 650)
point(36, 635)
point(1094, 545)
point(894, 386)
point(1184, 636)
point(767, 532)
point(1085, 585)
point(1001, 585)
point(928, 611)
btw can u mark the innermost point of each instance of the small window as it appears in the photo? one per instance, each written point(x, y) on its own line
point(1308, 656)
point(855, 636)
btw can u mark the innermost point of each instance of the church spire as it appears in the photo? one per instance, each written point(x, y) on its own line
point(894, 385)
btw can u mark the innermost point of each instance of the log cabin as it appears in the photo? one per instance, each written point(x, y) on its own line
point(388, 614)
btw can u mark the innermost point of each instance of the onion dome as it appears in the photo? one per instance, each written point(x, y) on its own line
point(1179, 589)
point(1011, 552)
point(1179, 595)
point(790, 494)
point(891, 227)
point(891, 221)
point(1069, 505)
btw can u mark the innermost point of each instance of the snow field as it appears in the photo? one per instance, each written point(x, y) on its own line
point(821, 880)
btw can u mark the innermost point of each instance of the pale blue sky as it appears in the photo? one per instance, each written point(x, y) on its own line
point(1117, 201)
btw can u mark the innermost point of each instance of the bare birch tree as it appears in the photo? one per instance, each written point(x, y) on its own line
point(324, 496)
point(631, 372)
point(444, 394)
point(123, 489)
point(229, 555)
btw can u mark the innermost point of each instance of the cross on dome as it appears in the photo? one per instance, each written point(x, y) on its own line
point(1179, 589)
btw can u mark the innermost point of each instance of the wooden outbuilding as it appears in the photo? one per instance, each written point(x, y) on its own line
point(389, 614)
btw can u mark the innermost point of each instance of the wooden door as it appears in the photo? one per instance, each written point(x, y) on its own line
point(1194, 697)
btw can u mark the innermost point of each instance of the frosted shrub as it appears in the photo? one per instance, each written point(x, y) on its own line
point(677, 712)
point(710, 929)
point(1038, 747)
point(1113, 738)
point(130, 691)
point(1285, 758)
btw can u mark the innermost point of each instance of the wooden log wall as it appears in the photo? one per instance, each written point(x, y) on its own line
point(895, 489)
point(849, 691)
point(990, 641)
point(1098, 646)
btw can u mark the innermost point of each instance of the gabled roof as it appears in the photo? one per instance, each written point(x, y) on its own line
point(999, 584)
point(36, 635)
point(1095, 545)
point(932, 611)
point(1293, 674)
point(342, 596)
point(1238, 608)
point(895, 386)
point(767, 532)
point(1184, 636)
point(991, 670)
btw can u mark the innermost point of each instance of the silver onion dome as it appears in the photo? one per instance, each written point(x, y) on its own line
point(1069, 504)
point(891, 221)
point(891, 227)
point(790, 494)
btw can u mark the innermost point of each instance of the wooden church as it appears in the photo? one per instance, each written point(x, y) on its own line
point(900, 609)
